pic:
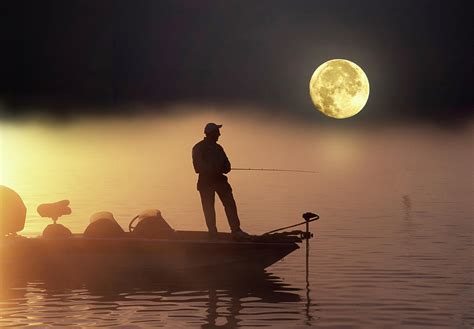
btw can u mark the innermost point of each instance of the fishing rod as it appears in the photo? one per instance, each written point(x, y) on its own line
point(271, 169)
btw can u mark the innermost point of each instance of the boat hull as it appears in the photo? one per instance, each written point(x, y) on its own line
point(86, 254)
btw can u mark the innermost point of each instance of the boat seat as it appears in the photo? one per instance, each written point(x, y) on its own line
point(151, 224)
point(56, 231)
point(54, 210)
point(12, 212)
point(103, 225)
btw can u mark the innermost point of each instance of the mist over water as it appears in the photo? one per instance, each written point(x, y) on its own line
point(393, 246)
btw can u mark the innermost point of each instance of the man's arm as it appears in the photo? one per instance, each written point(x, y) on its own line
point(226, 165)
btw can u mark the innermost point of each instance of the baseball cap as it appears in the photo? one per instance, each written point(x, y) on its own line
point(210, 127)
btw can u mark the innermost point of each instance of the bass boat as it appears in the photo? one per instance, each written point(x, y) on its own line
point(149, 245)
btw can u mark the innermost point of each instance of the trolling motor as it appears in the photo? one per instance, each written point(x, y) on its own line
point(303, 235)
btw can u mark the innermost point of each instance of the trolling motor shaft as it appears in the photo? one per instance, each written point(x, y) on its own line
point(308, 217)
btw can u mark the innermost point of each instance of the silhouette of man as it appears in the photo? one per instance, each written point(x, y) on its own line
point(211, 163)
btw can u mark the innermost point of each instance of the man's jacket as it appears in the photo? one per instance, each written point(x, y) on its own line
point(210, 162)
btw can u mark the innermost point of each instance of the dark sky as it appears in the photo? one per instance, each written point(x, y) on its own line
point(61, 55)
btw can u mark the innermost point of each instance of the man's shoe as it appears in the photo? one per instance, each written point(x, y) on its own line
point(240, 235)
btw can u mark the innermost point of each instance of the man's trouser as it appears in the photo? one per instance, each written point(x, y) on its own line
point(224, 191)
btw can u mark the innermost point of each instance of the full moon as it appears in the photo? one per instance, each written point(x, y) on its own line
point(339, 88)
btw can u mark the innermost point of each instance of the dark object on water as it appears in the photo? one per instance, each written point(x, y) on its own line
point(150, 224)
point(103, 225)
point(12, 212)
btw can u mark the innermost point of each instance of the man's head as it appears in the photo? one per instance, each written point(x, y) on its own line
point(212, 131)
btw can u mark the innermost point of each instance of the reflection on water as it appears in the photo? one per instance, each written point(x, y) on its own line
point(205, 299)
point(393, 247)
point(407, 206)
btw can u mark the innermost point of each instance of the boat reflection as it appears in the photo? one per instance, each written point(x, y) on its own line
point(217, 300)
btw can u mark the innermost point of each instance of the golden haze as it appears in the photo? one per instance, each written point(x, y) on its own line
point(126, 166)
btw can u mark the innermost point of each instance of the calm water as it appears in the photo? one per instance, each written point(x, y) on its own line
point(393, 247)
